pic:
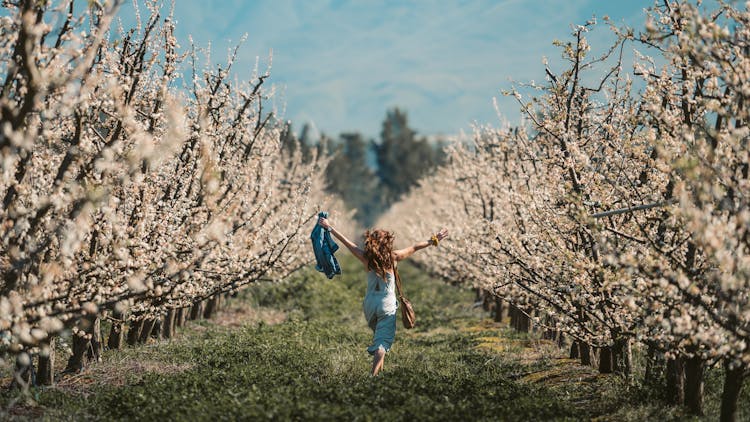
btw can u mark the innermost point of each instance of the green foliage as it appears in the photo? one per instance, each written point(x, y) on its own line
point(402, 157)
point(370, 176)
point(349, 176)
point(291, 143)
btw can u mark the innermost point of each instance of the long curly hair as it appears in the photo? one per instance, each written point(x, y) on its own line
point(379, 250)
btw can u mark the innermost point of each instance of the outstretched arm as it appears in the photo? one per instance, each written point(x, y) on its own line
point(353, 248)
point(402, 254)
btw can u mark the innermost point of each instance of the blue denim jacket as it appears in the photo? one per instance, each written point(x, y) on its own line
point(324, 248)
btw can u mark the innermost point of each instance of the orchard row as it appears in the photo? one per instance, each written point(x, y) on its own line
point(618, 213)
point(132, 191)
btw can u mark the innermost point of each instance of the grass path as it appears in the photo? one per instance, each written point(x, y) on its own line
point(296, 351)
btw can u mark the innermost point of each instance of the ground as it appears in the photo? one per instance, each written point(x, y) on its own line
point(296, 350)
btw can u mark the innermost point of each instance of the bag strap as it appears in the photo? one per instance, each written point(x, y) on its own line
point(398, 283)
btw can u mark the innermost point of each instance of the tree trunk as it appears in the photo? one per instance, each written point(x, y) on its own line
point(694, 384)
point(733, 378)
point(654, 366)
point(197, 310)
point(548, 334)
point(169, 323)
point(134, 332)
point(179, 319)
point(486, 301)
point(675, 381)
point(595, 357)
point(148, 325)
point(585, 351)
point(156, 331)
point(560, 339)
point(498, 309)
point(219, 301)
point(606, 360)
point(46, 372)
point(94, 352)
point(81, 344)
point(115, 339)
point(211, 306)
point(623, 357)
point(574, 352)
point(524, 322)
point(185, 315)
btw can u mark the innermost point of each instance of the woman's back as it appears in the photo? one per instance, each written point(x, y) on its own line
point(381, 294)
point(378, 285)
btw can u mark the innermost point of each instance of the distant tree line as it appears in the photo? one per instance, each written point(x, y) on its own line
point(371, 175)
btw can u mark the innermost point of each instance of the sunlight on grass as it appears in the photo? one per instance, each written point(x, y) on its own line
point(296, 350)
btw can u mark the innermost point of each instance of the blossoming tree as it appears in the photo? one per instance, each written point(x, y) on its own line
point(616, 214)
point(130, 191)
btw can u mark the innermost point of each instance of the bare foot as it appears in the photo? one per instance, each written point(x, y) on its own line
point(377, 361)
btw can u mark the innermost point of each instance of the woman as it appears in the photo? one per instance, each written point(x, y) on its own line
point(380, 302)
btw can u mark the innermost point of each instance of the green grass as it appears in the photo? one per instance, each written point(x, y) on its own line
point(313, 366)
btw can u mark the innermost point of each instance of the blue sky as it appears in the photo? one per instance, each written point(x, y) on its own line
point(340, 64)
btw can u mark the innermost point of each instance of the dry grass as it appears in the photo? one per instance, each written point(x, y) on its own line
point(528, 351)
point(238, 315)
point(116, 372)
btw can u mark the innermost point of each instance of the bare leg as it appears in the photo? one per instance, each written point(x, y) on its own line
point(377, 361)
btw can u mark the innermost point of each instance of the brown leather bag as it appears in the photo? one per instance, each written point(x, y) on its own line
point(407, 311)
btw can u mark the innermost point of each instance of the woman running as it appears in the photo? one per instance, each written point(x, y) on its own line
point(380, 303)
